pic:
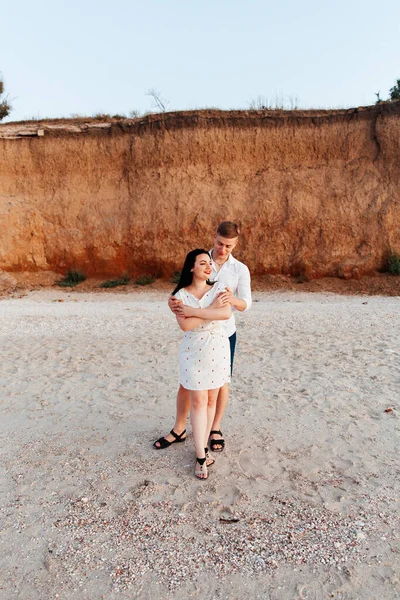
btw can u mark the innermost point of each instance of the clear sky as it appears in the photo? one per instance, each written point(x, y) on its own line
point(60, 58)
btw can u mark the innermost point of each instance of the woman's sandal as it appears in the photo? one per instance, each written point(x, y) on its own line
point(209, 460)
point(164, 443)
point(200, 469)
point(215, 443)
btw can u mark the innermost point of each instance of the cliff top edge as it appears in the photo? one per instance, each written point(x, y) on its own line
point(189, 119)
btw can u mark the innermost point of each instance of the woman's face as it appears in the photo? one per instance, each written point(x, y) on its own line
point(202, 267)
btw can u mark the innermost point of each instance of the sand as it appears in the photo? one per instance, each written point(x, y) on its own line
point(303, 504)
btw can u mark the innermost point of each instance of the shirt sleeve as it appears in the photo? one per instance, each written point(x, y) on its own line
point(243, 291)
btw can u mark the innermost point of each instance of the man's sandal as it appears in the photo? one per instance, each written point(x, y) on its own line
point(200, 469)
point(164, 443)
point(215, 443)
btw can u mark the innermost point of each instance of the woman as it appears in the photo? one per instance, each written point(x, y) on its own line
point(204, 352)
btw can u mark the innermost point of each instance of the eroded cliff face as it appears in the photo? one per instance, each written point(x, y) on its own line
point(314, 192)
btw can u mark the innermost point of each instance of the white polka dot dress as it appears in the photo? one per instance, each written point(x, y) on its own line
point(204, 352)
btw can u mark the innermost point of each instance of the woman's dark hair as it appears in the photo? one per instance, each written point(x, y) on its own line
point(186, 277)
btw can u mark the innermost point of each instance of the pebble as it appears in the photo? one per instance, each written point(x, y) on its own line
point(147, 536)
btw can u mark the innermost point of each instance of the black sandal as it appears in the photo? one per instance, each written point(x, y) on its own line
point(164, 443)
point(214, 443)
point(200, 469)
point(209, 460)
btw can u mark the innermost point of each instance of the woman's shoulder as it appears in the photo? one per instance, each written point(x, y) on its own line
point(179, 294)
point(216, 289)
point(184, 295)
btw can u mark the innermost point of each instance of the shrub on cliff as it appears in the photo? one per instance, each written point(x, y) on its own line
point(395, 91)
point(5, 106)
point(111, 283)
point(71, 279)
point(393, 263)
point(145, 279)
point(176, 277)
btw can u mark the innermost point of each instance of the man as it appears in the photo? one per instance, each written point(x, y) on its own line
point(236, 278)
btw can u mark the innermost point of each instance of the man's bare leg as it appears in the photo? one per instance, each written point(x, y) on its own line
point(182, 412)
point(222, 401)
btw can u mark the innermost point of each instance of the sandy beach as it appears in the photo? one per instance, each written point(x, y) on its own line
point(303, 504)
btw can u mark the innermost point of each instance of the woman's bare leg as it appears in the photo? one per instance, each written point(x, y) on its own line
point(182, 409)
point(182, 412)
point(202, 411)
point(211, 406)
point(199, 419)
point(222, 401)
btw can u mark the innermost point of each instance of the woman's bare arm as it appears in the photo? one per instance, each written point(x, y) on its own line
point(188, 323)
point(208, 314)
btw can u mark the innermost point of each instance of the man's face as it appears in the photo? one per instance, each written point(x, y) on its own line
point(223, 246)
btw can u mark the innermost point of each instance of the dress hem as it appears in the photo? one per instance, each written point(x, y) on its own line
point(204, 389)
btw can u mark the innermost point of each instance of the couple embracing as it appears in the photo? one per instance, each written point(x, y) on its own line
point(211, 287)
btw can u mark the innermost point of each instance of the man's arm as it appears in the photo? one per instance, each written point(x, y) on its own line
point(242, 301)
point(244, 288)
point(237, 303)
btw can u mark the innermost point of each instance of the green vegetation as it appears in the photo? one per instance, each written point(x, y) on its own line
point(175, 277)
point(5, 106)
point(145, 279)
point(394, 92)
point(277, 103)
point(108, 117)
point(393, 263)
point(111, 283)
point(71, 279)
point(102, 117)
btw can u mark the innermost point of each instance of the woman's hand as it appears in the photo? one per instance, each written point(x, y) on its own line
point(184, 311)
point(174, 304)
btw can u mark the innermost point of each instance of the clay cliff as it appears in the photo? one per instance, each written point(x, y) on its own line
point(314, 192)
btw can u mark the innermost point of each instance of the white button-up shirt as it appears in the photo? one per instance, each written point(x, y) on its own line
point(236, 276)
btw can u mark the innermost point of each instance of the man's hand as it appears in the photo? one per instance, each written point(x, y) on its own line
point(174, 304)
point(220, 300)
point(227, 296)
point(235, 302)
